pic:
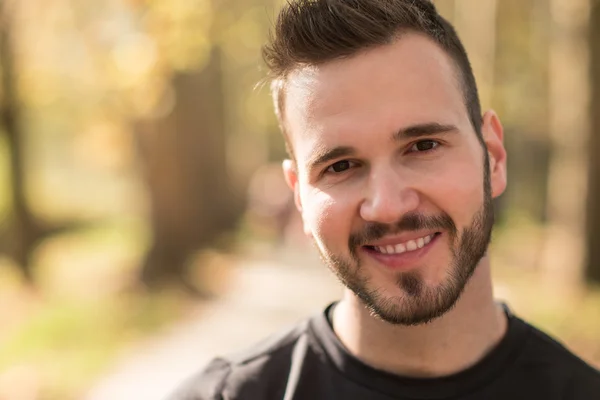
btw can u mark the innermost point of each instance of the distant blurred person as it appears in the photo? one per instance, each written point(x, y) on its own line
point(393, 169)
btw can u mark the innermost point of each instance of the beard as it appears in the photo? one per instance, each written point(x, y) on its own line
point(419, 303)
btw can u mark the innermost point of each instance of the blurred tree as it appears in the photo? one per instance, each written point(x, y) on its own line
point(21, 234)
point(569, 132)
point(184, 158)
point(592, 269)
point(184, 152)
point(183, 72)
point(521, 99)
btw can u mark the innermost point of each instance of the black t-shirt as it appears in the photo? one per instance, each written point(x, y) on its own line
point(308, 362)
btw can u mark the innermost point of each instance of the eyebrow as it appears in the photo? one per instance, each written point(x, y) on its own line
point(323, 155)
point(416, 131)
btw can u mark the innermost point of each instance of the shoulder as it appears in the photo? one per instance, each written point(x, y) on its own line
point(549, 350)
point(581, 380)
point(207, 384)
point(247, 370)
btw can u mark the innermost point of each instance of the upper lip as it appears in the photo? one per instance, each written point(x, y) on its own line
point(397, 239)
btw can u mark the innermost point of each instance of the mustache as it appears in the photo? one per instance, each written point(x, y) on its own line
point(410, 222)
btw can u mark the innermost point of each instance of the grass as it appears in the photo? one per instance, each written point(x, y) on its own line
point(66, 344)
point(56, 340)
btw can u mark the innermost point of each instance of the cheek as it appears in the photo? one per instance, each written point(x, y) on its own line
point(329, 219)
point(458, 191)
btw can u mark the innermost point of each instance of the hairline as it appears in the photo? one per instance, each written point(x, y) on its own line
point(279, 83)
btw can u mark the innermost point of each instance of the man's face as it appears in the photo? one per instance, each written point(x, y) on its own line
point(391, 179)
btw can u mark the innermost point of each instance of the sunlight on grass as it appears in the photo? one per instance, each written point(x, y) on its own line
point(69, 343)
point(84, 313)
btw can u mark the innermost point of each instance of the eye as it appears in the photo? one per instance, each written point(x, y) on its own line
point(339, 166)
point(424, 146)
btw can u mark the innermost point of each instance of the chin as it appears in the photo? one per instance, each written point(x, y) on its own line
point(410, 301)
point(400, 311)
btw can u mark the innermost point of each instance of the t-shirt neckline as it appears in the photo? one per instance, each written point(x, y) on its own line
point(487, 370)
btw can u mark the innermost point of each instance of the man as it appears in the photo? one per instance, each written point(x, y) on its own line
point(393, 168)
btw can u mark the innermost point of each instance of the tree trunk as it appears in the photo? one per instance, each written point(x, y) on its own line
point(521, 99)
point(184, 158)
point(592, 267)
point(23, 234)
point(569, 131)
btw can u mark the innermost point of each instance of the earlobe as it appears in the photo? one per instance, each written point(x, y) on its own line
point(493, 136)
point(291, 178)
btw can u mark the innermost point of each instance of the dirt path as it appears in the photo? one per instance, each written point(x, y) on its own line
point(264, 297)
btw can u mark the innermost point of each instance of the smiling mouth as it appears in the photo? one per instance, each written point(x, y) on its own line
point(408, 246)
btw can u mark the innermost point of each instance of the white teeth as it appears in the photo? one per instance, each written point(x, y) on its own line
point(400, 248)
point(403, 247)
point(411, 245)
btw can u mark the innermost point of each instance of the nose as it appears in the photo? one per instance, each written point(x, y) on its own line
point(388, 197)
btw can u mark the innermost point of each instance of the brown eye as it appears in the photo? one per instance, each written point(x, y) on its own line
point(424, 145)
point(339, 166)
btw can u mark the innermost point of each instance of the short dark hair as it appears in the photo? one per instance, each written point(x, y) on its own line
point(314, 32)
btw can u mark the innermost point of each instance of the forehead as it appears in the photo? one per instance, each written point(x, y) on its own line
point(379, 90)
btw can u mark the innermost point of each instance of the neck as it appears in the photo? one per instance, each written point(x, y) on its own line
point(449, 344)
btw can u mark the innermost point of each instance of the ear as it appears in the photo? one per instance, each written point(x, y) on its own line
point(291, 178)
point(493, 136)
